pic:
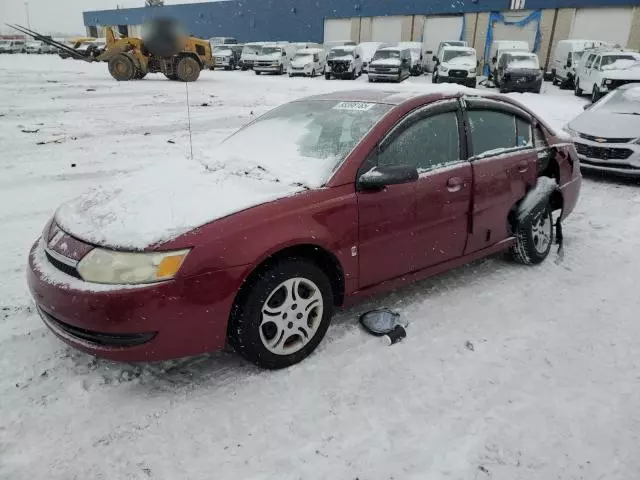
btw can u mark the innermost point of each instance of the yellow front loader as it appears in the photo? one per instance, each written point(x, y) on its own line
point(163, 49)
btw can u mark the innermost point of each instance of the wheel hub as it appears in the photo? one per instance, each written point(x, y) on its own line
point(541, 233)
point(291, 316)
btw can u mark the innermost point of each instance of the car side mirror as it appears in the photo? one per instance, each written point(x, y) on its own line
point(357, 56)
point(379, 177)
point(435, 59)
point(568, 63)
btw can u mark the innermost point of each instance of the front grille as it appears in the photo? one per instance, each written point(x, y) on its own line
point(458, 73)
point(63, 267)
point(98, 338)
point(603, 153)
point(383, 69)
point(339, 67)
point(605, 140)
point(264, 64)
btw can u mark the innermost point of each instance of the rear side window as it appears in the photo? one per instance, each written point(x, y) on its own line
point(492, 132)
point(523, 133)
point(539, 138)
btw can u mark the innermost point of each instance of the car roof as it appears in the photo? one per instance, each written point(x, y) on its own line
point(388, 97)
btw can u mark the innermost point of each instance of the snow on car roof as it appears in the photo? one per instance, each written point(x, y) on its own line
point(457, 48)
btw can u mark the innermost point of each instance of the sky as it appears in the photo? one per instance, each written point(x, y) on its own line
point(61, 16)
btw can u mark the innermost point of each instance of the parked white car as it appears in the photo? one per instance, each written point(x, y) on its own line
point(607, 134)
point(250, 52)
point(605, 70)
point(344, 62)
point(457, 65)
point(566, 60)
point(368, 50)
point(274, 58)
point(13, 46)
point(308, 62)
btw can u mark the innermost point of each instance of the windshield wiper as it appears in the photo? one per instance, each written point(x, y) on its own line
point(627, 113)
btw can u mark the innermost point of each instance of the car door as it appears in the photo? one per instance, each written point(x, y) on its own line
point(404, 228)
point(444, 186)
point(504, 164)
point(591, 74)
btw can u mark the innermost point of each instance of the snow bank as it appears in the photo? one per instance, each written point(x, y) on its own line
point(632, 94)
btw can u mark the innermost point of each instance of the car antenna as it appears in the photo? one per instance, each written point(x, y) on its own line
point(186, 86)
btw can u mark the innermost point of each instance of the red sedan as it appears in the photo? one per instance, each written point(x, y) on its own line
point(314, 205)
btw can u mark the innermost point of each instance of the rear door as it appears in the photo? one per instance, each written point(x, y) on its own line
point(504, 163)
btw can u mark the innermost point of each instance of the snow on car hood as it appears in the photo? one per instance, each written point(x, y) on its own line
point(523, 65)
point(344, 58)
point(632, 71)
point(159, 204)
point(461, 62)
point(607, 124)
point(302, 61)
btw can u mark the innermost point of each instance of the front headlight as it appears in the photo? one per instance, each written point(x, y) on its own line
point(122, 268)
point(606, 81)
point(472, 71)
point(442, 68)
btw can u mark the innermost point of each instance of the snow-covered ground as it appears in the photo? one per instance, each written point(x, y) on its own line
point(507, 372)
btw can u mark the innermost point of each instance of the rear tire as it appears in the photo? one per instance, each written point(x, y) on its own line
point(555, 80)
point(121, 68)
point(282, 314)
point(187, 69)
point(534, 236)
point(327, 76)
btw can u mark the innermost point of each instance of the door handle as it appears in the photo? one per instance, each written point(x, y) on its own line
point(455, 184)
point(523, 166)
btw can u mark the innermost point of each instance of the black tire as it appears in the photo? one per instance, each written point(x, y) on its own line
point(187, 69)
point(121, 68)
point(472, 83)
point(140, 74)
point(257, 72)
point(246, 317)
point(327, 76)
point(503, 89)
point(577, 91)
point(244, 69)
point(555, 80)
point(371, 80)
point(281, 70)
point(313, 73)
point(435, 79)
point(595, 94)
point(525, 251)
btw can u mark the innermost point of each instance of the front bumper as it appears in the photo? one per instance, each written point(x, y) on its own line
point(247, 64)
point(384, 76)
point(519, 85)
point(219, 63)
point(304, 71)
point(267, 68)
point(622, 159)
point(468, 81)
point(178, 318)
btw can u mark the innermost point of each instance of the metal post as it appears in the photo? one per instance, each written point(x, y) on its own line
point(26, 7)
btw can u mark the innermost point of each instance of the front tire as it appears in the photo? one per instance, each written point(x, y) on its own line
point(595, 94)
point(327, 76)
point(282, 315)
point(187, 69)
point(534, 236)
point(121, 68)
point(577, 91)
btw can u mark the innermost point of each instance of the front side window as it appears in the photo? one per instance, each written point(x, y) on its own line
point(589, 62)
point(427, 144)
point(596, 63)
point(494, 132)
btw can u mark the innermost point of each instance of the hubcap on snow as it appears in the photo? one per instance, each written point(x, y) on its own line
point(291, 316)
point(541, 232)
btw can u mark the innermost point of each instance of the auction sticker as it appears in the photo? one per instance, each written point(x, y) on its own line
point(354, 106)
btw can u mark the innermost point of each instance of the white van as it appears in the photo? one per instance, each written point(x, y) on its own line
point(344, 62)
point(417, 58)
point(250, 52)
point(566, 60)
point(457, 65)
point(308, 62)
point(500, 46)
point(432, 62)
point(274, 58)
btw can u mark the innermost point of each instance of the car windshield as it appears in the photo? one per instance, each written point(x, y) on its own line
point(251, 50)
point(340, 52)
point(303, 56)
point(522, 60)
point(385, 54)
point(458, 54)
point(222, 49)
point(612, 62)
point(624, 101)
point(311, 139)
point(271, 50)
